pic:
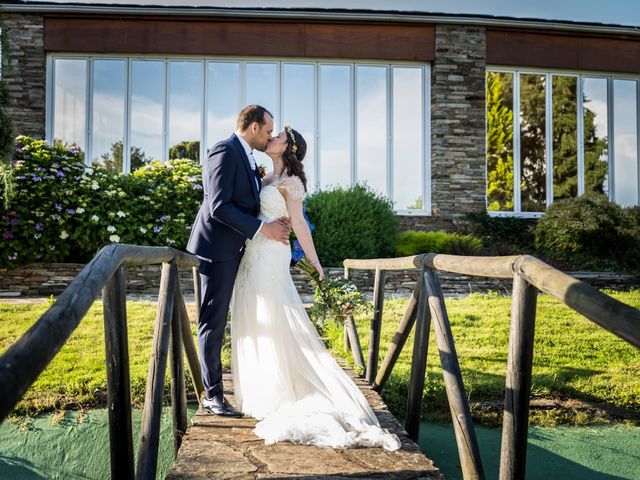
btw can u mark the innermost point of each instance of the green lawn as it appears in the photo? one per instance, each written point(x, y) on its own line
point(573, 357)
point(76, 377)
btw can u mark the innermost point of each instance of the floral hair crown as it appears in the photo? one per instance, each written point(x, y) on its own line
point(291, 137)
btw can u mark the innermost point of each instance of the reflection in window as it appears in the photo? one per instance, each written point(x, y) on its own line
point(499, 141)
point(108, 113)
point(565, 136)
point(185, 109)
point(298, 106)
point(408, 137)
point(70, 98)
point(625, 140)
point(262, 88)
point(596, 158)
point(335, 125)
point(532, 142)
point(147, 112)
point(223, 100)
point(371, 127)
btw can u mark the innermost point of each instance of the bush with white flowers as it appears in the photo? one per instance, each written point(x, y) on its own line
point(61, 210)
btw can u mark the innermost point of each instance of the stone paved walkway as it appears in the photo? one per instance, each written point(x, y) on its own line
point(225, 448)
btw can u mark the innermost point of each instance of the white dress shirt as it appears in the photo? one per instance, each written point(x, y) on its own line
point(252, 161)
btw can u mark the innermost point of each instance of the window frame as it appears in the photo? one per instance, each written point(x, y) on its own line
point(425, 74)
point(549, 73)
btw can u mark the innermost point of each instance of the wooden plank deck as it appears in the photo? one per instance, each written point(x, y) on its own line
point(226, 448)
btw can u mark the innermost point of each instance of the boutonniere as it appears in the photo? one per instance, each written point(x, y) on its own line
point(263, 171)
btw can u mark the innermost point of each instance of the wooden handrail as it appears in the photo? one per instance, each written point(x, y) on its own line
point(23, 361)
point(529, 275)
point(21, 364)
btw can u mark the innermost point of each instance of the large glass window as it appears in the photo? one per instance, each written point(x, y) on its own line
point(371, 127)
point(625, 139)
point(335, 125)
point(185, 109)
point(70, 101)
point(595, 127)
point(362, 122)
point(559, 146)
point(107, 126)
point(147, 112)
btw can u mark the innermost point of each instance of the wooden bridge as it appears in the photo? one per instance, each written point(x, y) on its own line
point(215, 447)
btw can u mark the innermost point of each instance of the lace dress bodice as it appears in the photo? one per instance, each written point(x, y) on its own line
point(272, 198)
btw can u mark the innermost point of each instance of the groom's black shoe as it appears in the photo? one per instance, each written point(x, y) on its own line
point(218, 405)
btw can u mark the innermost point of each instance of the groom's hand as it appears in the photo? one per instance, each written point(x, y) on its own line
point(277, 230)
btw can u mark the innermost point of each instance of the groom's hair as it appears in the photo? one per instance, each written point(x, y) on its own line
point(250, 114)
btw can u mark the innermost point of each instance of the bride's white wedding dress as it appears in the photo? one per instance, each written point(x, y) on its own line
point(282, 372)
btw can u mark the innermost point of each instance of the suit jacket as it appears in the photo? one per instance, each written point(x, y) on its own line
point(227, 216)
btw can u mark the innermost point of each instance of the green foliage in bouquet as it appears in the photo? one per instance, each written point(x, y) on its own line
point(334, 298)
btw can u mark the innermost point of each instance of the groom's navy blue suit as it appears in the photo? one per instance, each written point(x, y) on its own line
point(225, 220)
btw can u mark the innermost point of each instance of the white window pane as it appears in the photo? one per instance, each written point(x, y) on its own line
point(147, 112)
point(185, 109)
point(223, 96)
point(108, 113)
point(335, 125)
point(532, 143)
point(565, 136)
point(499, 141)
point(70, 101)
point(262, 89)
point(408, 137)
point(298, 103)
point(596, 158)
point(371, 127)
point(625, 128)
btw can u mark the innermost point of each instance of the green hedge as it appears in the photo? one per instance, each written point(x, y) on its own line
point(414, 243)
point(62, 210)
point(503, 235)
point(352, 223)
point(592, 232)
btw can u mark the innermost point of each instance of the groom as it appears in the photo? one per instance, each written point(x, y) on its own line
point(227, 217)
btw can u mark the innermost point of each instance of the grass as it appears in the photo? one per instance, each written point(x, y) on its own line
point(76, 378)
point(573, 359)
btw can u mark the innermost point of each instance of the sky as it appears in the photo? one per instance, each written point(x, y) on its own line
point(618, 12)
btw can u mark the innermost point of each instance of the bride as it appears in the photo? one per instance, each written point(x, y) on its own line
point(282, 373)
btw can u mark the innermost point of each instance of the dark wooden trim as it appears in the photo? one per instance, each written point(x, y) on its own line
point(572, 52)
point(249, 38)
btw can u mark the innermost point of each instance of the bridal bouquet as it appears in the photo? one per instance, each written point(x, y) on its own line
point(334, 298)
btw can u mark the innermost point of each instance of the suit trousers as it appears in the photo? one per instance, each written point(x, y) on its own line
point(216, 282)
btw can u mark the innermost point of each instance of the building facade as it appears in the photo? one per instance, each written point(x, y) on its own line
point(443, 114)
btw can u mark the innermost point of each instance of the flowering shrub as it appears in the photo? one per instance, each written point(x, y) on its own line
point(62, 210)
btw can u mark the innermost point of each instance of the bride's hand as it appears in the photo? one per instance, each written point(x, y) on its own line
point(320, 271)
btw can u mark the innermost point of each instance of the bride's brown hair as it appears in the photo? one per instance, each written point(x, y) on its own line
point(294, 154)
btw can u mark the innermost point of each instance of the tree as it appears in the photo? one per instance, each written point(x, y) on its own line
point(499, 143)
point(187, 149)
point(113, 160)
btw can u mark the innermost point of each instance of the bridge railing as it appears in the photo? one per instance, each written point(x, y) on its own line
point(529, 275)
point(23, 362)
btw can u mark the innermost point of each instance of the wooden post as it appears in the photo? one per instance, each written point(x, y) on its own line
point(399, 339)
point(513, 453)
point(118, 380)
point(345, 332)
point(178, 389)
point(458, 404)
point(376, 326)
point(150, 434)
point(354, 341)
point(418, 364)
point(190, 347)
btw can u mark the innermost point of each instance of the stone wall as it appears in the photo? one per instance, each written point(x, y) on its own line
point(40, 279)
point(24, 71)
point(458, 121)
